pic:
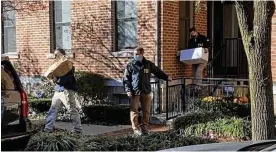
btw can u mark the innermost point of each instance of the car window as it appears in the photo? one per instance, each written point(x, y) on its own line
point(7, 80)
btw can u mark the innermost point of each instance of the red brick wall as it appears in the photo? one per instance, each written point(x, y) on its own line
point(32, 40)
point(170, 38)
point(200, 18)
point(92, 38)
point(273, 46)
point(146, 28)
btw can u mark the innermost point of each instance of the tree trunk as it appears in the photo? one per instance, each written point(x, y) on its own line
point(257, 44)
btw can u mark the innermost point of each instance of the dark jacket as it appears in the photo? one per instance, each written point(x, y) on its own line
point(68, 81)
point(200, 41)
point(137, 76)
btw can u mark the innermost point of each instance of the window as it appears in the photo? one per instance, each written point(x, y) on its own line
point(126, 24)
point(62, 25)
point(184, 23)
point(9, 34)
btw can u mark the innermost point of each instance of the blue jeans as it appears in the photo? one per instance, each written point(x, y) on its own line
point(67, 98)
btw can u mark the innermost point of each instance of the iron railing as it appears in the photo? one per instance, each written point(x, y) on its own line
point(184, 97)
point(229, 61)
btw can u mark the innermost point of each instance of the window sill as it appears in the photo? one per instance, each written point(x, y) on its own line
point(12, 55)
point(122, 54)
point(52, 55)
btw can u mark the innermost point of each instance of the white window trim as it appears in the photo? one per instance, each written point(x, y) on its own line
point(122, 53)
point(66, 23)
point(11, 55)
point(52, 55)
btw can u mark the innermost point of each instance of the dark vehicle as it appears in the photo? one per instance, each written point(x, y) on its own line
point(265, 145)
point(15, 126)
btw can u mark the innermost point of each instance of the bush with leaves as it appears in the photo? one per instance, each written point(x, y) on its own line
point(58, 141)
point(107, 114)
point(195, 117)
point(93, 114)
point(225, 106)
point(151, 142)
point(90, 86)
point(227, 127)
point(47, 87)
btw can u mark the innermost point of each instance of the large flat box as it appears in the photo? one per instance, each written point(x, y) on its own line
point(194, 56)
point(60, 68)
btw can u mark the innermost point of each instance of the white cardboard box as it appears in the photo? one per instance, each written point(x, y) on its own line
point(194, 56)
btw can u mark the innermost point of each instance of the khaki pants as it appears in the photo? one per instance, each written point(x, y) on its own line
point(197, 71)
point(67, 98)
point(145, 104)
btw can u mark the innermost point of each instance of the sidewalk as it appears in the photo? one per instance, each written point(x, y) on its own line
point(101, 130)
point(92, 129)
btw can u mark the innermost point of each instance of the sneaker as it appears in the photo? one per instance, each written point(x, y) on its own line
point(47, 130)
point(76, 132)
point(137, 133)
point(145, 132)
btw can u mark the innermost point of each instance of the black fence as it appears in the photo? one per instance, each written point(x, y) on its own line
point(182, 96)
point(229, 60)
point(156, 105)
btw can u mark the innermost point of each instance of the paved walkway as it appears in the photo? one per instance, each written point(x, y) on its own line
point(92, 129)
point(102, 130)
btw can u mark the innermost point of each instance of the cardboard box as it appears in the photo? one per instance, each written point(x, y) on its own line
point(59, 68)
point(194, 56)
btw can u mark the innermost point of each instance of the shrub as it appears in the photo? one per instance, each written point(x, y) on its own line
point(40, 105)
point(107, 114)
point(52, 142)
point(195, 117)
point(95, 114)
point(227, 127)
point(226, 106)
point(47, 88)
point(66, 141)
point(90, 86)
point(151, 142)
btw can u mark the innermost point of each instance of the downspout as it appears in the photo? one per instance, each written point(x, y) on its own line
point(157, 34)
point(2, 29)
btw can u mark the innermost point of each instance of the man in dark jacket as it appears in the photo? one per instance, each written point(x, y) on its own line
point(64, 93)
point(198, 40)
point(137, 85)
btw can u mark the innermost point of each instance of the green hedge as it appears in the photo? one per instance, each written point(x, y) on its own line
point(226, 107)
point(91, 86)
point(93, 114)
point(107, 114)
point(227, 127)
point(41, 105)
point(64, 141)
point(195, 117)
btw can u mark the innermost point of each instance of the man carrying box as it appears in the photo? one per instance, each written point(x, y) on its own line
point(64, 93)
point(198, 40)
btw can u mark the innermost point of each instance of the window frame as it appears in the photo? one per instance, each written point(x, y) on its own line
point(53, 28)
point(116, 33)
point(4, 51)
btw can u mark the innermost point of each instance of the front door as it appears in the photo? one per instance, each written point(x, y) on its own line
point(228, 56)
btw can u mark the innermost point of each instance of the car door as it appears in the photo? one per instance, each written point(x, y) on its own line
point(10, 98)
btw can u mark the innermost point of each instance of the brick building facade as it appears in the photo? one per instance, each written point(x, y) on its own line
point(93, 41)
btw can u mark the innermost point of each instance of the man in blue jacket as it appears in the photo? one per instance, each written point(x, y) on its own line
point(137, 85)
point(64, 93)
point(198, 40)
